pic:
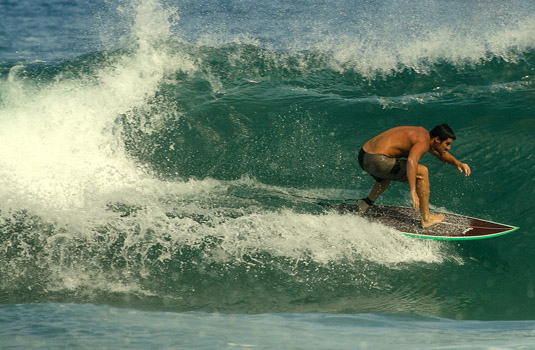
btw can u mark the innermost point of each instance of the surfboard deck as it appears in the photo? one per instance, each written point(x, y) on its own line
point(454, 227)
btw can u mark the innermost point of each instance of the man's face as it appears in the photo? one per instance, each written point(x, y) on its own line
point(442, 146)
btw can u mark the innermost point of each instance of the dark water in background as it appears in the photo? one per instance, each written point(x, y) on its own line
point(166, 156)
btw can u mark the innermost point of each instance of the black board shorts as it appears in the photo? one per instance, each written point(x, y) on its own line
point(381, 167)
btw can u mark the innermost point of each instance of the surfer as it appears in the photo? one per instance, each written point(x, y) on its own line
point(394, 155)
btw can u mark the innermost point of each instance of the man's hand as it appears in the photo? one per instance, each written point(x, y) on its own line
point(415, 200)
point(463, 167)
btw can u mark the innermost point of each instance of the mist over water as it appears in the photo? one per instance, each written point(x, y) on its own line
point(176, 166)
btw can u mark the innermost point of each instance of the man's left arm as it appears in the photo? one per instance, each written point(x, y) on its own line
point(447, 157)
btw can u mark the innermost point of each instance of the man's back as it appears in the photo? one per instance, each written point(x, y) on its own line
point(397, 142)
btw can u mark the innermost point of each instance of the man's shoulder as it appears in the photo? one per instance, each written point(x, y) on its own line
point(410, 129)
point(419, 139)
point(419, 130)
point(419, 133)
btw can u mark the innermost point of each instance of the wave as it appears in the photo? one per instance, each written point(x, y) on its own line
point(242, 66)
point(83, 217)
point(181, 174)
point(368, 38)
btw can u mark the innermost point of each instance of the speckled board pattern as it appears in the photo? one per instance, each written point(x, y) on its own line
point(407, 220)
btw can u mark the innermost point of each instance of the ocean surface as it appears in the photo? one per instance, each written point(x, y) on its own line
point(161, 164)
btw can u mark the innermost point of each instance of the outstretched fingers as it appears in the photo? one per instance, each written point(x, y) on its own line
point(463, 167)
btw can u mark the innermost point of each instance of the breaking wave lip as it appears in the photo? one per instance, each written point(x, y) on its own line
point(378, 41)
point(422, 54)
point(319, 75)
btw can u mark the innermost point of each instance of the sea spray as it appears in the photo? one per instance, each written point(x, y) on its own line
point(72, 146)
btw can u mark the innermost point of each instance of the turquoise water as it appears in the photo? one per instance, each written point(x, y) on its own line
point(67, 326)
point(164, 160)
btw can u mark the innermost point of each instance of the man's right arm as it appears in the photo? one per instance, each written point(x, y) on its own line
point(447, 157)
point(415, 154)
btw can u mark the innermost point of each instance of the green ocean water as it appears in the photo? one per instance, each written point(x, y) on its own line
point(183, 175)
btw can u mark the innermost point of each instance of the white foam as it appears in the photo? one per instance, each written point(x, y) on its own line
point(445, 44)
point(322, 239)
point(377, 39)
point(62, 144)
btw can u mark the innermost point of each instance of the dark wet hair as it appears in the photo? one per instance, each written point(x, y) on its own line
point(443, 132)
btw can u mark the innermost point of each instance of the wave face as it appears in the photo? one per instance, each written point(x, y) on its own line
point(176, 165)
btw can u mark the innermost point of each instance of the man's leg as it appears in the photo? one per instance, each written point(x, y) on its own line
point(423, 190)
point(377, 190)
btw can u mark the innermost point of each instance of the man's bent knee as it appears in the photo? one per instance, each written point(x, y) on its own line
point(423, 172)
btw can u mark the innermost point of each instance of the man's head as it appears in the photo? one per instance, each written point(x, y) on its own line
point(442, 136)
point(443, 132)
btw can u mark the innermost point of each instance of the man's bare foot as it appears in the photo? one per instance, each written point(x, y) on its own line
point(433, 219)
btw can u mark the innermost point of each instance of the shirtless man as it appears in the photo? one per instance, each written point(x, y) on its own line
point(382, 157)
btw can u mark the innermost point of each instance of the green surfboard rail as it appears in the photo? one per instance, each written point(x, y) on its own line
point(459, 238)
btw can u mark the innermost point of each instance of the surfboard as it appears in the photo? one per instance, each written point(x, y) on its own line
point(454, 227)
